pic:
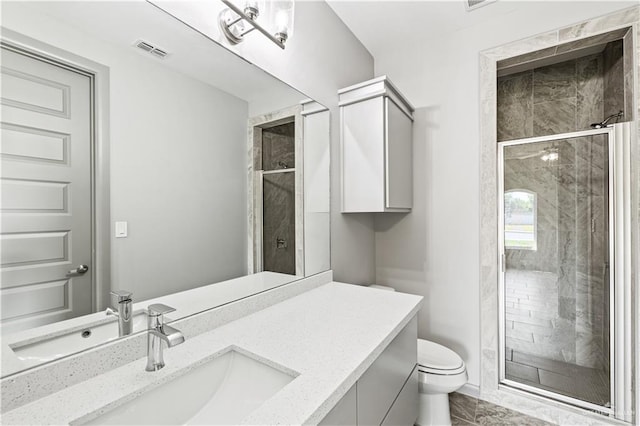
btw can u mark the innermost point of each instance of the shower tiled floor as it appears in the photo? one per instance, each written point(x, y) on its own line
point(540, 345)
point(466, 410)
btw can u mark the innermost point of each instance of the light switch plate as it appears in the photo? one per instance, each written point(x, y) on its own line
point(121, 229)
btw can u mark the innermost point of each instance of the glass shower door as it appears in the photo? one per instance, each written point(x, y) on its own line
point(556, 286)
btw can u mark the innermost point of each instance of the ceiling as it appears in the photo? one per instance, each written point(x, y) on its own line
point(382, 26)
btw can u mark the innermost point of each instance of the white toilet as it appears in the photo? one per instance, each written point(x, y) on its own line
point(440, 372)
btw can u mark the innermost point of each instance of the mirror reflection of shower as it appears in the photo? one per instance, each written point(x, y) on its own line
point(278, 199)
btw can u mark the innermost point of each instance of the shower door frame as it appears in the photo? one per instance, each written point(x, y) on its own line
point(619, 333)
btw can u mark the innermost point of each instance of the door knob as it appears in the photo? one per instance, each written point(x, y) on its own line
point(79, 270)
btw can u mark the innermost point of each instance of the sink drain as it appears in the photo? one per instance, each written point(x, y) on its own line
point(86, 333)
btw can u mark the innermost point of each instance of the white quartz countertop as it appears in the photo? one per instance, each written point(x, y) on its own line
point(329, 335)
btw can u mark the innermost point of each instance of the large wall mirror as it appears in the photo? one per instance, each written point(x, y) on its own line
point(139, 156)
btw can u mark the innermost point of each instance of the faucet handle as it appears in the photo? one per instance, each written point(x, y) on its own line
point(158, 309)
point(119, 296)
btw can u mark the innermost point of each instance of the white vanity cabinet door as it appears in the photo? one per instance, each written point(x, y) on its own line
point(384, 380)
point(376, 134)
point(344, 413)
point(398, 158)
point(363, 162)
point(405, 408)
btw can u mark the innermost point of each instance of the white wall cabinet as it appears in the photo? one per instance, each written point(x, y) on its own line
point(376, 134)
point(387, 393)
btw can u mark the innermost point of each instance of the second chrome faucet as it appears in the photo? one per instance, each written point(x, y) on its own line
point(122, 308)
point(159, 332)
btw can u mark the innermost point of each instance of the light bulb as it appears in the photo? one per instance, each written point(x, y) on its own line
point(281, 22)
point(281, 18)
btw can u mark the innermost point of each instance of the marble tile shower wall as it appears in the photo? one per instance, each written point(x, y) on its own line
point(278, 147)
point(613, 80)
point(562, 97)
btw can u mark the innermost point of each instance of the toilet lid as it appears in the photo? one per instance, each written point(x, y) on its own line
point(433, 356)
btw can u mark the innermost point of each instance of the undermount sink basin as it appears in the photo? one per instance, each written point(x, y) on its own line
point(223, 390)
point(80, 339)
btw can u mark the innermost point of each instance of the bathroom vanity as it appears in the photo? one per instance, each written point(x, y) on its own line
point(323, 347)
point(387, 393)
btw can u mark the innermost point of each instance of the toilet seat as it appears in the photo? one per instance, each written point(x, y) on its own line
point(427, 370)
point(437, 359)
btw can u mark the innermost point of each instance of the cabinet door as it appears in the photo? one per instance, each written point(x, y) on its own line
point(398, 157)
point(381, 383)
point(344, 413)
point(362, 135)
point(404, 411)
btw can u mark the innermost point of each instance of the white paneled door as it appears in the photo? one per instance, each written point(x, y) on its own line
point(46, 192)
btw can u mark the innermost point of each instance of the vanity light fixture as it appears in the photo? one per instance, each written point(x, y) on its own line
point(276, 15)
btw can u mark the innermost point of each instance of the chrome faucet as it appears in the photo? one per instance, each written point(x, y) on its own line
point(157, 333)
point(122, 303)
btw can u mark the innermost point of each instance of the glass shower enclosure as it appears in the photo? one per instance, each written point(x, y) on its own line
point(557, 247)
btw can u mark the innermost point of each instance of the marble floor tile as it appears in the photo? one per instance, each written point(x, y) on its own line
point(466, 410)
point(586, 386)
point(584, 383)
point(462, 406)
point(545, 363)
point(455, 421)
point(521, 371)
point(549, 360)
point(488, 414)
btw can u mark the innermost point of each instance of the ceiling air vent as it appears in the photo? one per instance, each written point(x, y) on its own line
point(158, 52)
point(150, 48)
point(474, 4)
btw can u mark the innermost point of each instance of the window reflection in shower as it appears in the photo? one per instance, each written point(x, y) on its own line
point(556, 277)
